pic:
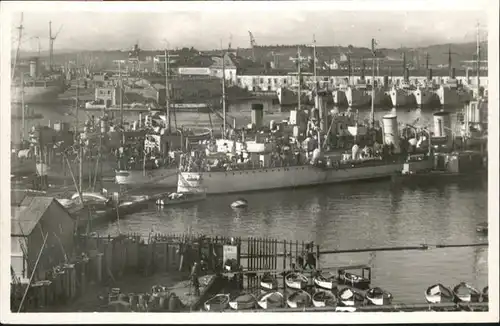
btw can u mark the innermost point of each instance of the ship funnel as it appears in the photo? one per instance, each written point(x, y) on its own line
point(429, 74)
point(34, 67)
point(391, 133)
point(257, 114)
point(406, 74)
point(442, 124)
point(452, 73)
point(386, 81)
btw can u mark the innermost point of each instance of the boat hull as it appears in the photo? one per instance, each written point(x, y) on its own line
point(339, 98)
point(166, 178)
point(401, 98)
point(357, 98)
point(276, 178)
point(424, 97)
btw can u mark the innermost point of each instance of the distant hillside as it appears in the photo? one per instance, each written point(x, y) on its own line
point(280, 55)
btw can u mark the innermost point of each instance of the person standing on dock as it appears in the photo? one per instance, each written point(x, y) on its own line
point(194, 279)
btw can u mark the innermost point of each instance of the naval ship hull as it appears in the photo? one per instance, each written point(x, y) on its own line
point(401, 98)
point(449, 96)
point(35, 95)
point(424, 97)
point(357, 98)
point(285, 177)
point(166, 177)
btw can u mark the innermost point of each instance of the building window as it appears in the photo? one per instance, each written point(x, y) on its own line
point(262, 80)
point(275, 80)
point(269, 80)
point(284, 81)
point(239, 81)
point(268, 88)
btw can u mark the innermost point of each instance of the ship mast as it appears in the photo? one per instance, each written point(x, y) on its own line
point(167, 92)
point(478, 59)
point(298, 75)
point(314, 66)
point(20, 28)
point(223, 96)
point(372, 115)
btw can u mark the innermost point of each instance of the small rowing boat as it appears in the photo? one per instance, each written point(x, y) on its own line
point(180, 198)
point(350, 297)
point(242, 302)
point(299, 299)
point(218, 302)
point(466, 293)
point(323, 298)
point(296, 281)
point(353, 280)
point(270, 300)
point(328, 283)
point(484, 295)
point(268, 282)
point(438, 293)
point(240, 203)
point(377, 296)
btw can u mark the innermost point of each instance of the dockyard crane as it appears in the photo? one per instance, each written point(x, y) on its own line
point(52, 38)
point(253, 44)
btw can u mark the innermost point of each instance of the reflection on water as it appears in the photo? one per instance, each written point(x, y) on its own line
point(345, 216)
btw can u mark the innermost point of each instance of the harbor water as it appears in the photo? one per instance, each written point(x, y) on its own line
point(342, 216)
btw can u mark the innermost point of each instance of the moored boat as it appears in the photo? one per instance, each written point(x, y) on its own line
point(464, 292)
point(353, 280)
point(270, 300)
point(218, 302)
point(323, 298)
point(378, 297)
point(351, 297)
point(268, 282)
point(180, 198)
point(244, 301)
point(438, 293)
point(296, 281)
point(239, 203)
point(328, 283)
point(299, 299)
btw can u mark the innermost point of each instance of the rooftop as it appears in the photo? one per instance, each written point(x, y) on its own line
point(26, 216)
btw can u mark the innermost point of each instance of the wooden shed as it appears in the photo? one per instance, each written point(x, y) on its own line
point(31, 220)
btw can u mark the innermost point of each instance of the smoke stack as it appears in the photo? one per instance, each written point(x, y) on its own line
point(453, 73)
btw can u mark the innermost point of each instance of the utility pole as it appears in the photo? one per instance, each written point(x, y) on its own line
point(167, 91)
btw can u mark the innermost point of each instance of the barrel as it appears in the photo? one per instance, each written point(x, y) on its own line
point(442, 123)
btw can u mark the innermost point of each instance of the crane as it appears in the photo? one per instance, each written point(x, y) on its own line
point(252, 44)
point(52, 38)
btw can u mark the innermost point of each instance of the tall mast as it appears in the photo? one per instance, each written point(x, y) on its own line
point(314, 65)
point(298, 75)
point(22, 108)
point(167, 91)
point(223, 96)
point(478, 58)
point(372, 116)
point(51, 46)
point(18, 50)
point(449, 61)
point(121, 92)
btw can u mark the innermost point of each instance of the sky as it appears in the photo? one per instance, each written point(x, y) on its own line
point(206, 28)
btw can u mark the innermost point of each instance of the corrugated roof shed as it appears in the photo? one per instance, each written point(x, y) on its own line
point(26, 216)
